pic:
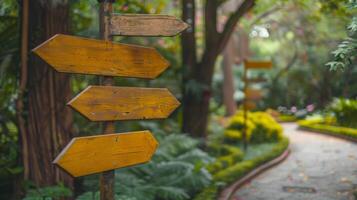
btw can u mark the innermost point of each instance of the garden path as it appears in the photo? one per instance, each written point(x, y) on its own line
point(319, 168)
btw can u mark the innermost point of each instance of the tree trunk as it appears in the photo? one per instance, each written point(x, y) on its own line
point(229, 55)
point(196, 105)
point(49, 120)
point(188, 43)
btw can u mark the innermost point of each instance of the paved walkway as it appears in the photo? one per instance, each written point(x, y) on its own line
point(319, 168)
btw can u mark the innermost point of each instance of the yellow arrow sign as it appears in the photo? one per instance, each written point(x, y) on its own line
point(106, 103)
point(94, 154)
point(258, 64)
point(88, 56)
point(146, 25)
point(253, 94)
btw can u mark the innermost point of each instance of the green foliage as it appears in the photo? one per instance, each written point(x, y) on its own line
point(209, 193)
point(345, 111)
point(286, 118)
point(345, 53)
point(227, 156)
point(9, 62)
point(176, 172)
point(48, 193)
point(261, 127)
point(320, 126)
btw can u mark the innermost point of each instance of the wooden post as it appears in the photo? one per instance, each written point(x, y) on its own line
point(245, 109)
point(107, 179)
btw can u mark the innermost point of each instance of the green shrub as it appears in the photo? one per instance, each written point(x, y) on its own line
point(238, 170)
point(48, 193)
point(261, 127)
point(209, 193)
point(318, 125)
point(227, 156)
point(286, 118)
point(345, 111)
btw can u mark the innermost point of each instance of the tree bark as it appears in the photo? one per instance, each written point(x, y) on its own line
point(188, 43)
point(49, 120)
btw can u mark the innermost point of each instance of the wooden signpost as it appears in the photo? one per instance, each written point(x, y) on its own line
point(258, 64)
point(70, 54)
point(93, 154)
point(250, 105)
point(107, 103)
point(251, 95)
point(146, 25)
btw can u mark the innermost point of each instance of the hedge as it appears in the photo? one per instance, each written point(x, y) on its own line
point(315, 125)
point(286, 118)
point(239, 170)
point(228, 156)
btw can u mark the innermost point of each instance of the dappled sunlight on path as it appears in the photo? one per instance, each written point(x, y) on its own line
point(319, 168)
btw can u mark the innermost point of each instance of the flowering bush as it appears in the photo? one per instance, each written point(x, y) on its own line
point(261, 127)
point(345, 112)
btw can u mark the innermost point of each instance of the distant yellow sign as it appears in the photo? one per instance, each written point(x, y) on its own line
point(258, 64)
point(253, 94)
point(250, 105)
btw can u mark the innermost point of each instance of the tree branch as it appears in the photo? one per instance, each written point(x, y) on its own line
point(232, 21)
point(211, 33)
point(265, 14)
point(287, 67)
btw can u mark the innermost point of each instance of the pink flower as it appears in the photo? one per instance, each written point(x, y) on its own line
point(310, 108)
point(293, 109)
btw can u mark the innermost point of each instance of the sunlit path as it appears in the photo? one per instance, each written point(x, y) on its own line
point(319, 168)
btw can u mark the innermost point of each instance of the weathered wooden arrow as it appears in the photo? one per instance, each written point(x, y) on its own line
point(258, 64)
point(94, 154)
point(146, 25)
point(106, 103)
point(253, 94)
point(88, 56)
point(249, 105)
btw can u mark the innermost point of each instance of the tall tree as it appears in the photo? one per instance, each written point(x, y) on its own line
point(46, 122)
point(198, 73)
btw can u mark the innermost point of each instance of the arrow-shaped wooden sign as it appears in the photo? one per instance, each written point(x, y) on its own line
point(88, 56)
point(253, 94)
point(94, 154)
point(258, 64)
point(106, 103)
point(249, 105)
point(146, 25)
